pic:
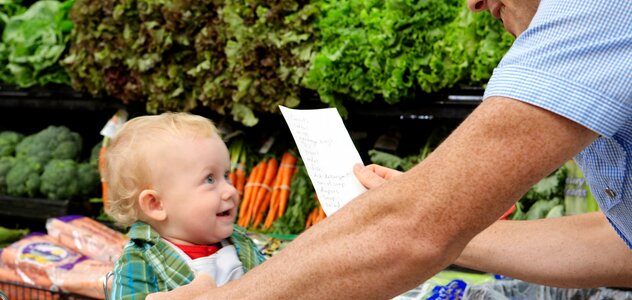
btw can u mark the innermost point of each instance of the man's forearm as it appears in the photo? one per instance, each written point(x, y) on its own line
point(578, 251)
point(358, 253)
point(397, 235)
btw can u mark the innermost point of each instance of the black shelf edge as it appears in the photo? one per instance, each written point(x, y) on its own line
point(449, 104)
point(54, 97)
point(41, 209)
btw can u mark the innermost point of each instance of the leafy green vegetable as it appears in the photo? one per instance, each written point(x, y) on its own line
point(540, 208)
point(33, 42)
point(88, 179)
point(8, 141)
point(141, 50)
point(8, 236)
point(9, 8)
point(269, 46)
point(59, 179)
point(239, 57)
point(6, 163)
point(519, 214)
point(301, 202)
point(542, 197)
point(407, 162)
point(94, 153)
point(556, 211)
point(24, 177)
point(472, 47)
point(550, 187)
point(390, 160)
point(400, 50)
point(51, 142)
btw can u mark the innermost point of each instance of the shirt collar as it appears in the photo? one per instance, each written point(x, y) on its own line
point(143, 232)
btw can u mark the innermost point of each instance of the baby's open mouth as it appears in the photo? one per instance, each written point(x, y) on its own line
point(224, 213)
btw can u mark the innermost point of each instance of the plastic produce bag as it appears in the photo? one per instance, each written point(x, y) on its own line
point(445, 285)
point(9, 277)
point(40, 260)
point(87, 236)
point(6, 273)
point(520, 290)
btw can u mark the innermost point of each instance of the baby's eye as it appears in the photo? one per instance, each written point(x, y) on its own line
point(210, 179)
point(227, 177)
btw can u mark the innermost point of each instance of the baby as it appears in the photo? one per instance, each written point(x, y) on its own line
point(167, 178)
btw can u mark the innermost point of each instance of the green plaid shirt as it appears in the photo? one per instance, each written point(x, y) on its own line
point(149, 264)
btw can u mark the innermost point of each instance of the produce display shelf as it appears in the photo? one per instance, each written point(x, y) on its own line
point(36, 208)
point(53, 97)
point(18, 291)
point(449, 104)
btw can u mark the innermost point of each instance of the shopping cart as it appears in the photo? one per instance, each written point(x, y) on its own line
point(106, 290)
point(14, 291)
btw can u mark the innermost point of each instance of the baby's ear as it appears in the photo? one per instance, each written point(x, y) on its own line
point(151, 206)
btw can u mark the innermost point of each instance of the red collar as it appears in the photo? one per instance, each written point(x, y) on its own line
point(197, 251)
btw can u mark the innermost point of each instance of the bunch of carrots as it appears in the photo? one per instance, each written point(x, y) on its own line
point(237, 174)
point(266, 192)
point(316, 215)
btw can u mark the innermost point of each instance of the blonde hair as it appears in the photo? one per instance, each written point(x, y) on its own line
point(127, 168)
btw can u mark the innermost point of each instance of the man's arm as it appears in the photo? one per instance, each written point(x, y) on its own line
point(578, 251)
point(397, 235)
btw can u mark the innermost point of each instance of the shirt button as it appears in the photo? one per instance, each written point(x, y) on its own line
point(610, 193)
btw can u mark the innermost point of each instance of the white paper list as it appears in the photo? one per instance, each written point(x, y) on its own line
point(328, 153)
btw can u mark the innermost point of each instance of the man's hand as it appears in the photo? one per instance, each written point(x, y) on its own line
point(374, 175)
point(200, 285)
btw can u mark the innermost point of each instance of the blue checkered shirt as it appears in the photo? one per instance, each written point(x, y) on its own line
point(575, 59)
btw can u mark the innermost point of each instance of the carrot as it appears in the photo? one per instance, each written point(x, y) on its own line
point(321, 214)
point(286, 181)
point(248, 189)
point(310, 219)
point(274, 199)
point(271, 217)
point(316, 215)
point(260, 204)
point(254, 200)
point(237, 159)
point(240, 177)
point(104, 185)
point(286, 168)
point(244, 198)
point(260, 213)
point(232, 177)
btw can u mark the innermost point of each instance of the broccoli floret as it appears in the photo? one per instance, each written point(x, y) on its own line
point(24, 177)
point(8, 141)
point(89, 179)
point(59, 180)
point(6, 163)
point(53, 142)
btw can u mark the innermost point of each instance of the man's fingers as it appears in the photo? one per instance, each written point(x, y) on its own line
point(384, 172)
point(367, 176)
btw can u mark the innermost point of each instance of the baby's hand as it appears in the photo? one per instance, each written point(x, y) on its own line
point(201, 284)
point(374, 175)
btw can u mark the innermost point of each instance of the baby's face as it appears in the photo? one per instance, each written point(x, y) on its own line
point(201, 203)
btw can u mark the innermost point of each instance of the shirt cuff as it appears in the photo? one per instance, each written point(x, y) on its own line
point(586, 106)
